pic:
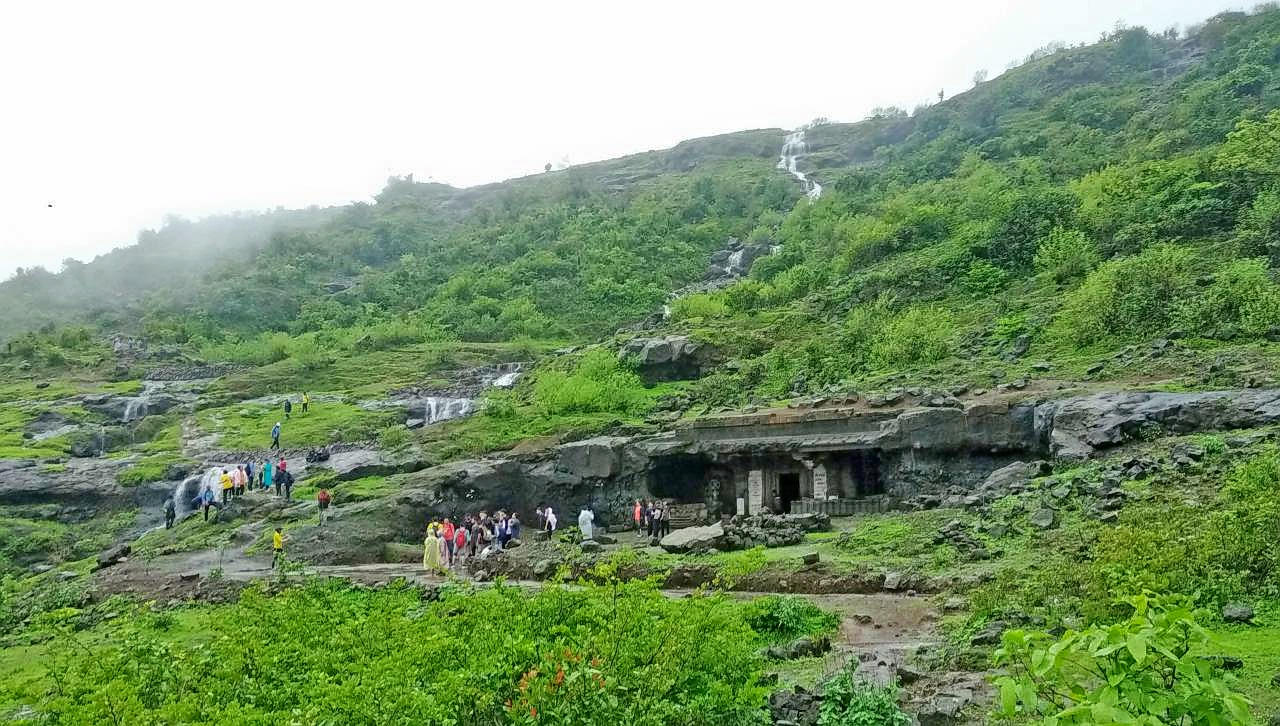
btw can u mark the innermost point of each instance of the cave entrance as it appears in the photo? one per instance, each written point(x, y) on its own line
point(788, 489)
point(865, 468)
point(682, 479)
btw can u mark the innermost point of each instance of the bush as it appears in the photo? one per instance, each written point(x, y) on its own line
point(702, 305)
point(918, 335)
point(1128, 298)
point(850, 701)
point(393, 438)
point(621, 653)
point(984, 278)
point(1145, 669)
point(780, 619)
point(1066, 254)
point(599, 383)
point(1243, 298)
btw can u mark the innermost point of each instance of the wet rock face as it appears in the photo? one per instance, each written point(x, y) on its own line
point(796, 706)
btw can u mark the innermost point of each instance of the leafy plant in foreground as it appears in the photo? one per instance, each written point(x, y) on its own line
point(1137, 671)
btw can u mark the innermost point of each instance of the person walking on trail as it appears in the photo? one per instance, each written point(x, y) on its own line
point(665, 529)
point(460, 543)
point(227, 484)
point(277, 548)
point(248, 474)
point(431, 552)
point(275, 436)
point(268, 474)
point(551, 520)
point(447, 532)
point(637, 516)
point(205, 500)
point(288, 408)
point(586, 523)
point(306, 401)
point(286, 479)
point(322, 501)
point(170, 512)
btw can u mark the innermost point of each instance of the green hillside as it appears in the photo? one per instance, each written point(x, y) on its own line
point(1101, 218)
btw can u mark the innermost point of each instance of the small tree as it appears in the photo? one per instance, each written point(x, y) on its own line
point(1137, 671)
point(979, 76)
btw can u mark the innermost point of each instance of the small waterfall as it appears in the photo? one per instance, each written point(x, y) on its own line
point(135, 409)
point(443, 408)
point(794, 147)
point(506, 380)
point(185, 493)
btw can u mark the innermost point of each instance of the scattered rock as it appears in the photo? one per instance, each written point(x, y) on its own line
point(1044, 518)
point(894, 580)
point(114, 555)
point(990, 635)
point(809, 558)
point(544, 567)
point(590, 545)
point(1237, 613)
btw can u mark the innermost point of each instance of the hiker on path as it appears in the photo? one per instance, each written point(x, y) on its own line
point(205, 500)
point(268, 474)
point(169, 513)
point(306, 401)
point(248, 474)
point(447, 532)
point(237, 481)
point(460, 536)
point(322, 501)
point(275, 436)
point(513, 526)
point(551, 520)
point(277, 548)
point(288, 408)
point(431, 552)
point(586, 522)
point(227, 484)
point(286, 479)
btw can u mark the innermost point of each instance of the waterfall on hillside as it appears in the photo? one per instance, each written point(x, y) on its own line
point(185, 493)
point(443, 408)
point(794, 147)
point(135, 409)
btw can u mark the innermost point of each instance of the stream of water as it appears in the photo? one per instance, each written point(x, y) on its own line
point(793, 148)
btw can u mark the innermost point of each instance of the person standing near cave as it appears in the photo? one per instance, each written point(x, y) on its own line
point(637, 515)
point(170, 512)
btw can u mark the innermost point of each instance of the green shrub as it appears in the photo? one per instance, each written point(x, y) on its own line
point(984, 278)
point(918, 335)
point(599, 383)
point(1243, 298)
point(850, 701)
point(1128, 298)
point(1145, 669)
point(702, 305)
point(393, 438)
point(1066, 254)
point(621, 653)
point(780, 619)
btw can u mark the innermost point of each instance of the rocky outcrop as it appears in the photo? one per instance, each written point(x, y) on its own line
point(1081, 426)
point(669, 358)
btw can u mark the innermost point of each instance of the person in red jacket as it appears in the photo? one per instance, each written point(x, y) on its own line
point(322, 500)
point(447, 531)
point(637, 516)
point(460, 536)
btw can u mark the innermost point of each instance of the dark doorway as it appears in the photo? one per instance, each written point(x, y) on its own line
point(788, 490)
point(866, 473)
point(681, 478)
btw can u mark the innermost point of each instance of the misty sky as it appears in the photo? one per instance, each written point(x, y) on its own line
point(118, 113)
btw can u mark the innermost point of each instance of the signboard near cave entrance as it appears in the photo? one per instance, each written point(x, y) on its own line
point(820, 482)
point(755, 490)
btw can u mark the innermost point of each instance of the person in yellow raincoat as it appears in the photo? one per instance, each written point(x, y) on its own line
point(431, 551)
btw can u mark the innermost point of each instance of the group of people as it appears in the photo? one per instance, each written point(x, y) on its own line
point(447, 544)
point(651, 517)
point(237, 482)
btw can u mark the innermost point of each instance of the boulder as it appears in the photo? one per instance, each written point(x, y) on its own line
point(693, 539)
point(669, 358)
point(809, 558)
point(990, 634)
point(590, 545)
point(1237, 613)
point(1000, 481)
point(1044, 518)
point(114, 555)
point(544, 568)
point(594, 458)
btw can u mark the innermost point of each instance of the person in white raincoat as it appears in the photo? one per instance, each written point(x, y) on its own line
point(586, 523)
